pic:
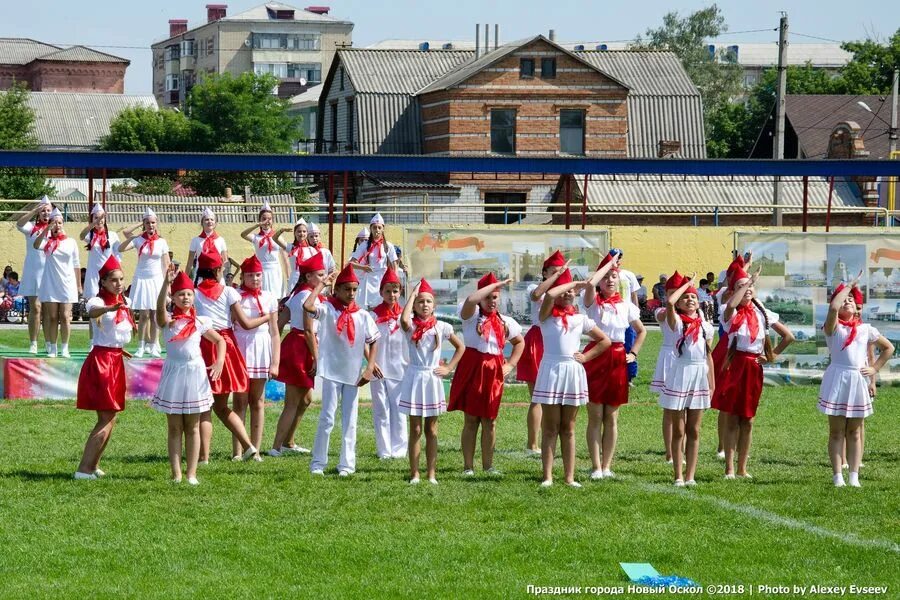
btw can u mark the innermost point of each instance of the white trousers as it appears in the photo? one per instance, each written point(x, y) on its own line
point(333, 393)
point(390, 425)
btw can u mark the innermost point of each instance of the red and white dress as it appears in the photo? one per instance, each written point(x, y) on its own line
point(477, 385)
point(267, 251)
point(33, 269)
point(148, 275)
point(184, 384)
point(687, 380)
point(421, 391)
point(296, 360)
point(527, 368)
point(608, 373)
point(101, 383)
point(256, 344)
point(666, 353)
point(741, 383)
point(845, 391)
point(214, 301)
point(561, 379)
point(297, 253)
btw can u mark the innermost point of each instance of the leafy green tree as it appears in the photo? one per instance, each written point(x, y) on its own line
point(17, 133)
point(143, 129)
point(872, 67)
point(213, 183)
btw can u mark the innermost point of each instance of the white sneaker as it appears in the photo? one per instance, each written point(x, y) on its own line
point(316, 472)
point(845, 466)
point(746, 476)
point(343, 473)
point(193, 481)
point(257, 458)
point(433, 481)
point(530, 452)
point(839, 480)
point(237, 458)
point(721, 454)
point(547, 483)
point(607, 474)
point(679, 483)
point(690, 483)
point(414, 481)
point(670, 462)
point(178, 480)
point(250, 452)
point(32, 349)
point(155, 351)
point(574, 484)
point(598, 474)
point(494, 472)
point(294, 449)
point(51, 352)
point(854, 479)
point(64, 352)
point(99, 473)
point(85, 476)
point(730, 476)
point(469, 472)
point(203, 462)
point(139, 353)
point(274, 452)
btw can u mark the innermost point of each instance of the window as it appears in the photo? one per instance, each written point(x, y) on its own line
point(284, 41)
point(341, 75)
point(503, 207)
point(548, 68)
point(503, 131)
point(526, 67)
point(202, 51)
point(187, 48)
point(571, 131)
point(173, 52)
point(277, 69)
point(210, 42)
point(312, 72)
point(172, 83)
point(334, 126)
point(350, 124)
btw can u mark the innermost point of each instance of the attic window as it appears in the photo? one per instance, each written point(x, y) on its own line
point(526, 67)
point(548, 68)
point(280, 14)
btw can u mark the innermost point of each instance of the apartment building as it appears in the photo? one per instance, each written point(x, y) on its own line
point(296, 45)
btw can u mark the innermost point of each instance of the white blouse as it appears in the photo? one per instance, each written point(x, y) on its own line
point(108, 333)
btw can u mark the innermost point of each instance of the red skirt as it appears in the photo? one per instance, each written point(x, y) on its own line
point(101, 383)
point(718, 357)
point(477, 385)
point(296, 361)
point(741, 385)
point(527, 368)
point(234, 378)
point(607, 376)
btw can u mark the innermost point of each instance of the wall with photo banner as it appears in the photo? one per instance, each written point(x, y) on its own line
point(453, 259)
point(799, 273)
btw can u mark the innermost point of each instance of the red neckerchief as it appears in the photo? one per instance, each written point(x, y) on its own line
point(122, 313)
point(745, 314)
point(38, 228)
point(420, 326)
point(266, 237)
point(376, 245)
point(98, 239)
point(211, 288)
point(148, 244)
point(387, 314)
point(53, 243)
point(493, 323)
point(693, 327)
point(853, 323)
point(563, 312)
point(345, 318)
point(189, 328)
point(248, 293)
point(209, 242)
point(297, 253)
point(317, 245)
point(612, 300)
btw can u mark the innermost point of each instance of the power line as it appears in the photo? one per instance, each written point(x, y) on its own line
point(816, 37)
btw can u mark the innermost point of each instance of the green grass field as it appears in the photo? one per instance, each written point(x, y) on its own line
point(272, 530)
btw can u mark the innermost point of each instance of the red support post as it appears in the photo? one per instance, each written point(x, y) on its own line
point(331, 213)
point(587, 179)
point(805, 200)
point(104, 189)
point(828, 211)
point(344, 215)
point(90, 174)
point(568, 201)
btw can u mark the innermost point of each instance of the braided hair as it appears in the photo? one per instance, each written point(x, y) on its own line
point(91, 235)
point(768, 351)
point(680, 345)
point(479, 328)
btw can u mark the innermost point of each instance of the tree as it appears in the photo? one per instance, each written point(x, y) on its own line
point(871, 70)
point(17, 133)
point(716, 76)
point(213, 183)
point(144, 129)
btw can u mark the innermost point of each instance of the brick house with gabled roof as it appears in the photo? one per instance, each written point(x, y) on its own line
point(49, 68)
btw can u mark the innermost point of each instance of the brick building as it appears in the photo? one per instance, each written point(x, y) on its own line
point(47, 68)
point(527, 98)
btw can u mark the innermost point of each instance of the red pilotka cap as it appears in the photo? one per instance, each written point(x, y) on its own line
point(424, 287)
point(314, 263)
point(209, 260)
point(390, 276)
point(855, 293)
point(251, 265)
point(555, 260)
point(111, 264)
point(182, 282)
point(564, 278)
point(347, 275)
point(606, 260)
point(486, 280)
point(675, 281)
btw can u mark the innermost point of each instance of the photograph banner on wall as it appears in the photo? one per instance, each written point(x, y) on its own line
point(453, 260)
point(799, 273)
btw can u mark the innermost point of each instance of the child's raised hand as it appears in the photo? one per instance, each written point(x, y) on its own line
point(170, 274)
point(855, 282)
point(505, 282)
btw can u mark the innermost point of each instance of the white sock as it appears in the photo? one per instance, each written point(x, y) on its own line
point(52, 349)
point(854, 478)
point(141, 346)
point(47, 346)
point(839, 479)
point(63, 347)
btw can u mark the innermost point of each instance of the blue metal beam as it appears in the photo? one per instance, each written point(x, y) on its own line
point(320, 163)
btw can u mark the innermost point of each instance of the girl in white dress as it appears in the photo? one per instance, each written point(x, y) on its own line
point(184, 393)
point(690, 379)
point(60, 283)
point(845, 395)
point(665, 359)
point(101, 244)
point(152, 265)
point(207, 241)
point(561, 386)
point(315, 241)
point(373, 257)
point(33, 269)
point(422, 388)
point(262, 236)
point(261, 346)
point(297, 250)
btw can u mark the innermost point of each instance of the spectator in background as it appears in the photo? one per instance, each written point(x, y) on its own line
point(711, 279)
point(659, 290)
point(6, 271)
point(641, 291)
point(12, 284)
point(707, 304)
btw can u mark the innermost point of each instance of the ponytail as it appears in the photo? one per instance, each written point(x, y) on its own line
point(767, 343)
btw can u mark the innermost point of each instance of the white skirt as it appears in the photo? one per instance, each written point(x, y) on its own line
point(145, 292)
point(273, 279)
point(686, 386)
point(844, 393)
point(54, 290)
point(422, 392)
point(256, 346)
point(663, 365)
point(560, 380)
point(31, 281)
point(91, 284)
point(183, 388)
point(369, 295)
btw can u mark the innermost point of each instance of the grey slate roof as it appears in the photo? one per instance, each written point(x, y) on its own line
point(398, 71)
point(701, 195)
point(21, 51)
point(82, 54)
point(261, 13)
point(188, 208)
point(72, 120)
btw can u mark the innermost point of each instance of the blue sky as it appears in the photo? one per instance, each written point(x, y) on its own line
point(128, 27)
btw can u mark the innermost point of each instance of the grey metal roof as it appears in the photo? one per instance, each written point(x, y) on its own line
point(695, 195)
point(398, 71)
point(655, 118)
point(21, 51)
point(78, 120)
point(411, 181)
point(81, 184)
point(185, 209)
point(310, 97)
point(82, 54)
point(261, 13)
point(644, 72)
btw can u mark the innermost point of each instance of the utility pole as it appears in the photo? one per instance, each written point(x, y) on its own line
point(778, 145)
point(892, 134)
